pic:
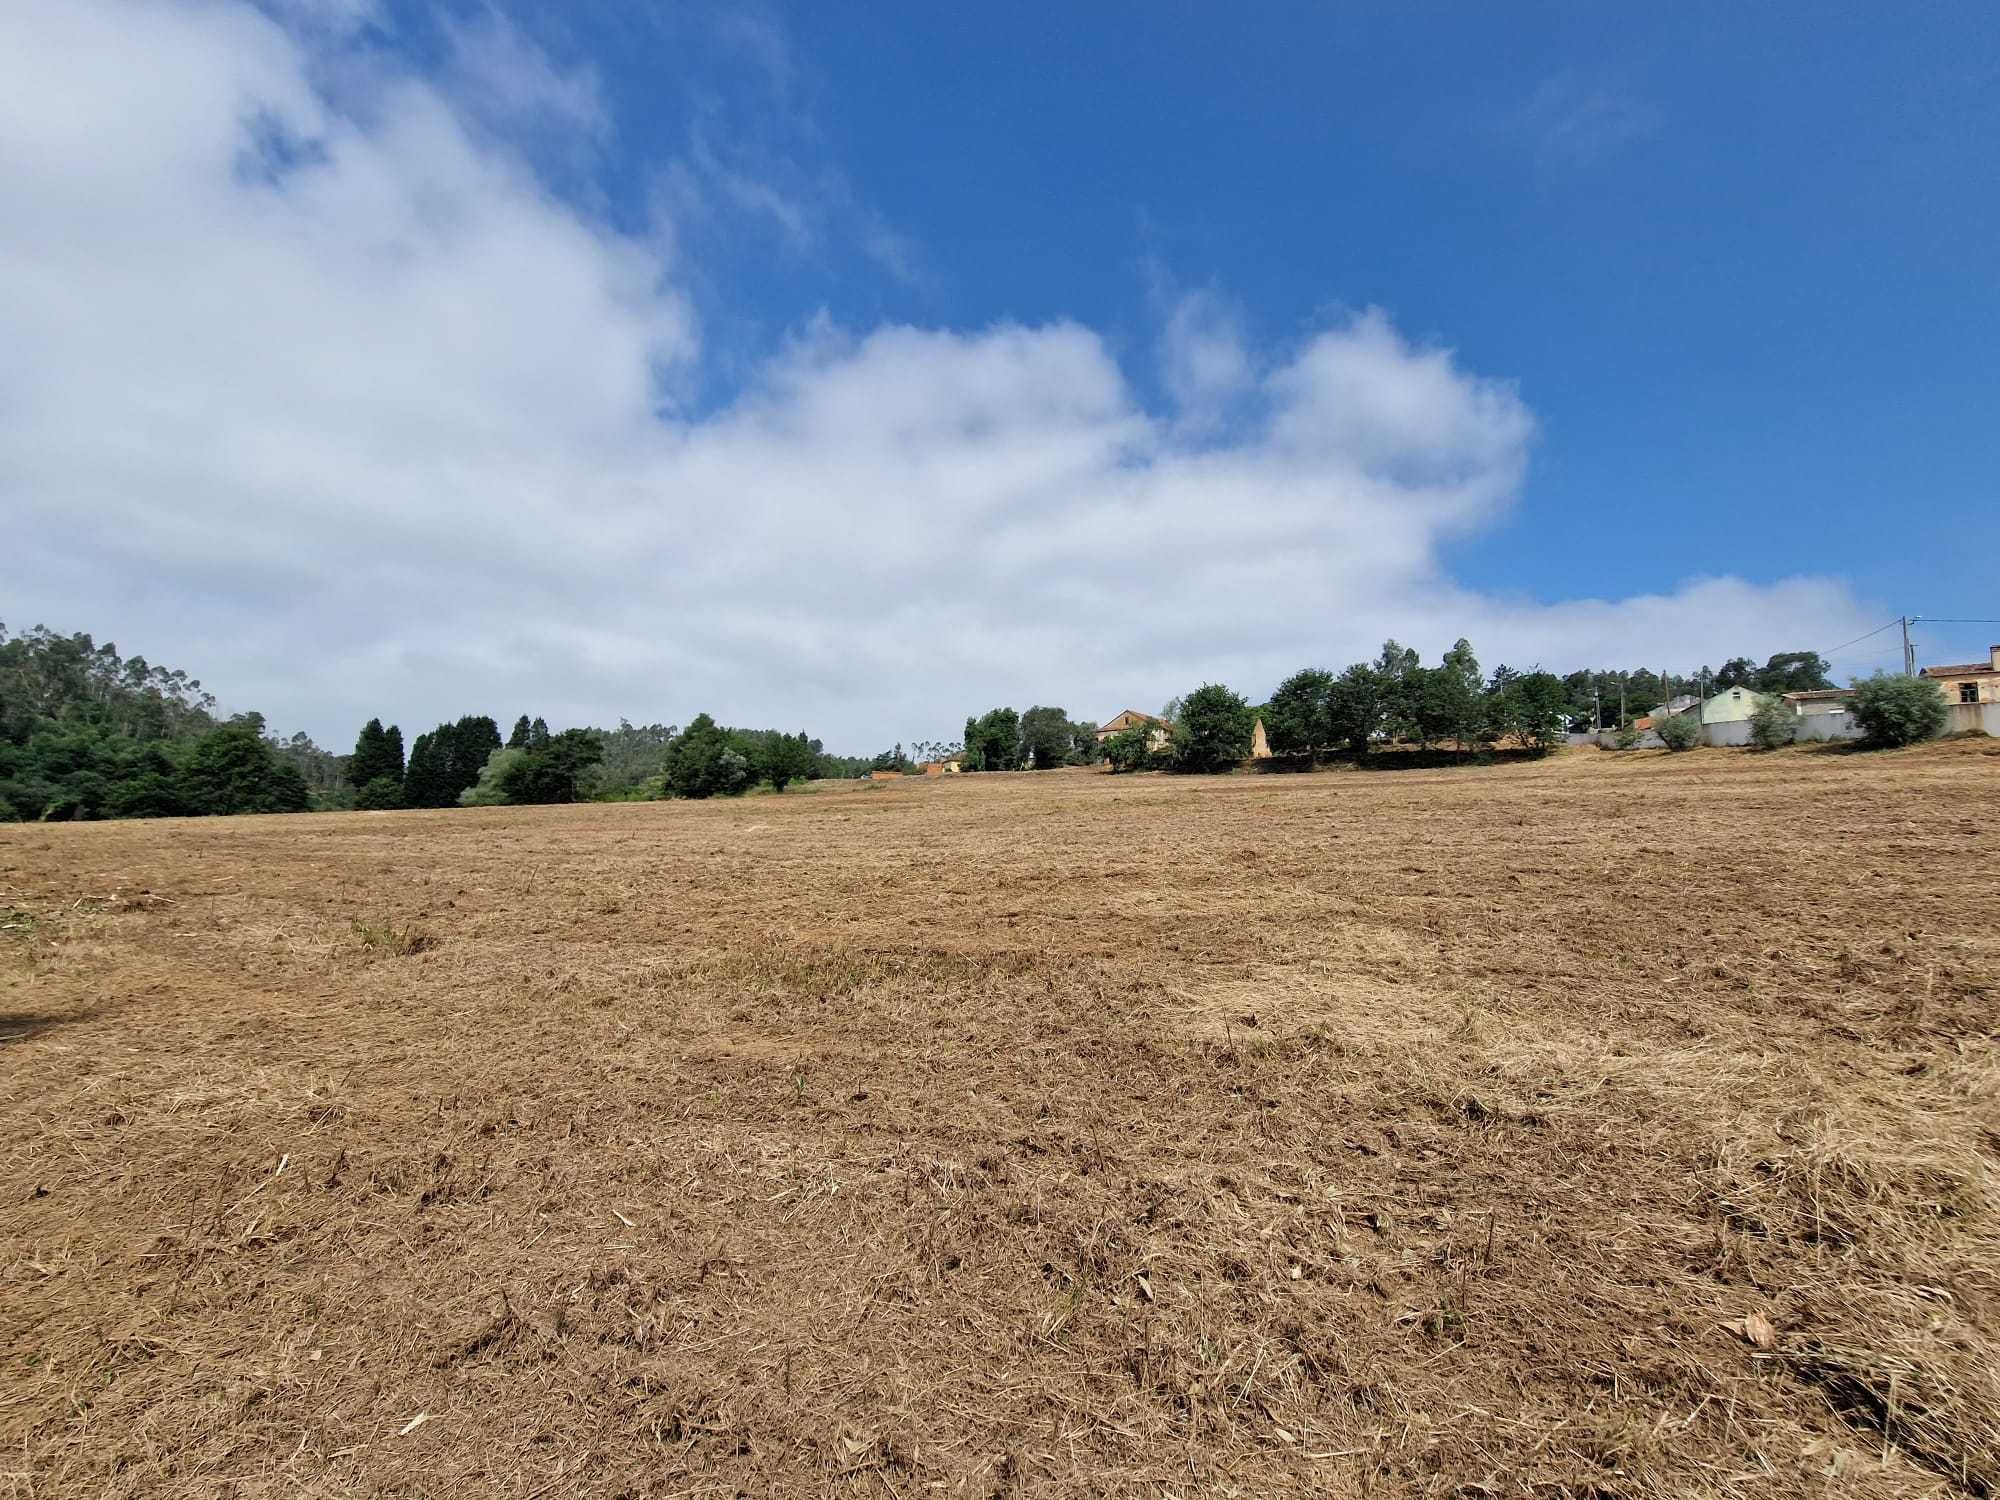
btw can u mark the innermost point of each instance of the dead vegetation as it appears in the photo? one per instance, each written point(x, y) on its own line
point(1608, 1126)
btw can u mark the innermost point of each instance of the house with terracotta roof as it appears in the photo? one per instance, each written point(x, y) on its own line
point(1162, 732)
point(1969, 682)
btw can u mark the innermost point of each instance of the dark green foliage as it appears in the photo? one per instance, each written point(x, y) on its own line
point(150, 794)
point(1793, 672)
point(993, 741)
point(232, 770)
point(552, 768)
point(1047, 738)
point(892, 759)
point(380, 795)
point(323, 772)
point(1738, 671)
point(1357, 705)
point(86, 734)
point(45, 678)
point(1680, 731)
point(1214, 729)
point(704, 761)
point(1773, 724)
point(446, 762)
point(518, 740)
point(538, 734)
point(1898, 710)
point(378, 756)
point(1438, 704)
point(422, 784)
point(786, 758)
point(1132, 749)
point(1530, 708)
point(1299, 718)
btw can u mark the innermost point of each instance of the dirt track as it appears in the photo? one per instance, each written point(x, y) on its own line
point(1429, 1133)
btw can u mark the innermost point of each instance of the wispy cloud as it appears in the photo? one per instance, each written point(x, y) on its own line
point(1574, 120)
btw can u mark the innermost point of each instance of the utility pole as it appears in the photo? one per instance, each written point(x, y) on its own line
point(1909, 651)
point(1621, 700)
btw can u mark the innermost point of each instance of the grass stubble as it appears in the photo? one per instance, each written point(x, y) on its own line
point(1608, 1126)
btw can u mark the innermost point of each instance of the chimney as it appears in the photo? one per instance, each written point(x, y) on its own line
point(1993, 654)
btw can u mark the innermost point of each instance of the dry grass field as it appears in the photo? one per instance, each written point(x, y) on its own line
point(1607, 1126)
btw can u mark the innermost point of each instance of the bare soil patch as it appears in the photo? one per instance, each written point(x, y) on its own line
point(1607, 1126)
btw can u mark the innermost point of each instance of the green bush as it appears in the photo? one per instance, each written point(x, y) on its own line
point(1680, 731)
point(380, 795)
point(1132, 749)
point(1897, 710)
point(490, 789)
point(1773, 724)
point(1627, 738)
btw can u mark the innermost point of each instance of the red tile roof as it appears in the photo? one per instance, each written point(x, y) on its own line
point(1968, 669)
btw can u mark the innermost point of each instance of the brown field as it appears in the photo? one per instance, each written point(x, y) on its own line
point(1608, 1126)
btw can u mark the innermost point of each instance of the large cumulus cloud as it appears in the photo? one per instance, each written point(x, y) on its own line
point(312, 384)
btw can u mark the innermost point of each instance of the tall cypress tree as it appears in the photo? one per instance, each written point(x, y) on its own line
point(538, 734)
point(518, 740)
point(392, 753)
point(378, 755)
point(474, 739)
point(369, 755)
point(421, 780)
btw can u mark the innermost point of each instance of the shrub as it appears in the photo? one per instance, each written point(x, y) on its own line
point(1897, 710)
point(1628, 738)
point(1773, 724)
point(380, 795)
point(489, 790)
point(1132, 749)
point(1680, 731)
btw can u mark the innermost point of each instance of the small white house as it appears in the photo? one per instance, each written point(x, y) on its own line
point(1730, 706)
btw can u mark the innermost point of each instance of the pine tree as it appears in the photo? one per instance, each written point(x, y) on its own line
point(538, 734)
point(518, 740)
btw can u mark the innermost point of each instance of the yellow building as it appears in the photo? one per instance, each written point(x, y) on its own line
point(1970, 682)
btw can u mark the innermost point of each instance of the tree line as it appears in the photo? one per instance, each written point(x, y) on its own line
point(465, 763)
point(87, 733)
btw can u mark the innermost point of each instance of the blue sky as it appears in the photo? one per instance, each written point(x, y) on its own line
point(1597, 336)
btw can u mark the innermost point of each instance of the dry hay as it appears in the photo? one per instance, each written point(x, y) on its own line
point(1607, 1126)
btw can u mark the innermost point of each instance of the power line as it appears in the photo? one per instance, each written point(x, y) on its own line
point(1940, 620)
point(1870, 636)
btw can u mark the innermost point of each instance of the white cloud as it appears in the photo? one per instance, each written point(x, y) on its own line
point(348, 414)
point(1204, 355)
